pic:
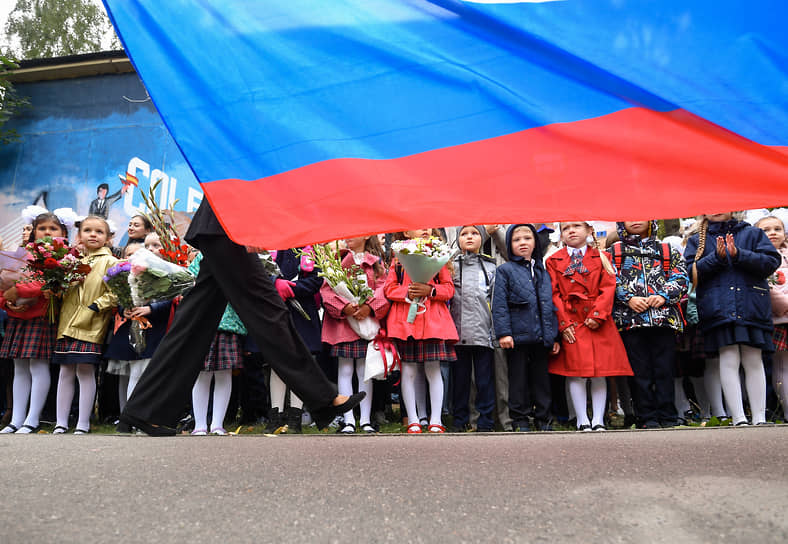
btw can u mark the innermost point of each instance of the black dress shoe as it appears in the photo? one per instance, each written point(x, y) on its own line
point(325, 415)
point(151, 429)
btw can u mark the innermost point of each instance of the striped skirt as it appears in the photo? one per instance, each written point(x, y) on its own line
point(226, 353)
point(418, 351)
point(70, 351)
point(28, 338)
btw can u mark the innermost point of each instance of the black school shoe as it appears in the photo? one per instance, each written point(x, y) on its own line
point(325, 415)
point(151, 429)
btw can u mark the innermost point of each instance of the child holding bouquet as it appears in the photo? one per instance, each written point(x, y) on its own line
point(424, 336)
point(584, 288)
point(224, 356)
point(30, 337)
point(121, 352)
point(774, 227)
point(84, 319)
point(338, 332)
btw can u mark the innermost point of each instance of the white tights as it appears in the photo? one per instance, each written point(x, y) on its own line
point(278, 390)
point(31, 381)
point(731, 358)
point(86, 374)
point(779, 378)
point(223, 386)
point(577, 392)
point(345, 387)
point(410, 395)
point(713, 386)
point(136, 368)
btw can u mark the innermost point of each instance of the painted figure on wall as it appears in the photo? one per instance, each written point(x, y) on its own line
point(101, 204)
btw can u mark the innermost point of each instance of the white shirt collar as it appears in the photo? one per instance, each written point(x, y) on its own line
point(573, 250)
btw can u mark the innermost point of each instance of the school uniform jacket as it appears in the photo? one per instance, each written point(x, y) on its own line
point(579, 296)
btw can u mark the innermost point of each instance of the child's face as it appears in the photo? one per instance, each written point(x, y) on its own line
point(131, 250)
point(470, 239)
point(719, 217)
point(26, 230)
point(93, 234)
point(48, 228)
point(523, 242)
point(153, 244)
point(418, 233)
point(356, 245)
point(575, 234)
point(774, 229)
point(637, 227)
point(137, 228)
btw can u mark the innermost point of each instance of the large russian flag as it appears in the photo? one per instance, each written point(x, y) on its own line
point(310, 120)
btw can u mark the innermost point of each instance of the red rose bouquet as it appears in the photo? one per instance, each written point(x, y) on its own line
point(55, 264)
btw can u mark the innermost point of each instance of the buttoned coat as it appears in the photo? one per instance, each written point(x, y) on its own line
point(579, 296)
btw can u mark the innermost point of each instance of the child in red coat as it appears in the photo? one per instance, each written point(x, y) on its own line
point(584, 288)
point(425, 342)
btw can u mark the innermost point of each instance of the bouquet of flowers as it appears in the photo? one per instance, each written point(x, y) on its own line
point(151, 278)
point(117, 279)
point(269, 264)
point(422, 259)
point(57, 266)
point(349, 283)
point(778, 278)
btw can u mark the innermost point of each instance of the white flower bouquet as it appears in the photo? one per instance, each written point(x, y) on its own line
point(348, 283)
point(422, 259)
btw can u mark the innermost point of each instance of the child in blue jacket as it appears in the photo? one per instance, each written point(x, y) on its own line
point(525, 323)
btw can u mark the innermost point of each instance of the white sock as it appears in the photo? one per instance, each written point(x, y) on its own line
point(222, 388)
point(39, 371)
point(780, 378)
point(21, 388)
point(755, 381)
point(680, 400)
point(365, 408)
point(420, 385)
point(200, 397)
point(123, 390)
point(86, 374)
point(408, 379)
point(730, 360)
point(598, 400)
point(65, 393)
point(136, 368)
point(698, 384)
point(345, 383)
point(579, 396)
point(711, 379)
point(432, 371)
point(278, 390)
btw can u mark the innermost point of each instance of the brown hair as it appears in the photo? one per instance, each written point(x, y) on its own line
point(47, 217)
point(702, 231)
point(110, 234)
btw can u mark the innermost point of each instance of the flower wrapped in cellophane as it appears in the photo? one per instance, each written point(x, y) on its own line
point(421, 258)
point(348, 283)
point(55, 264)
point(151, 278)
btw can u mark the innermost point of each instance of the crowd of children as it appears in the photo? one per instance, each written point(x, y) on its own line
point(656, 330)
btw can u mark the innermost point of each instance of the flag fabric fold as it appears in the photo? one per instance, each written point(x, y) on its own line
point(307, 120)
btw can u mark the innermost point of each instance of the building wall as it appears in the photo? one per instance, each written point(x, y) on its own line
point(80, 133)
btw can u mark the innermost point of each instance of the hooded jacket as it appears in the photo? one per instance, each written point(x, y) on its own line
point(522, 303)
point(641, 274)
point(470, 307)
point(734, 291)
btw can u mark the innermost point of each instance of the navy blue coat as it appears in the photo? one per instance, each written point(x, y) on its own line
point(734, 291)
point(522, 306)
point(119, 347)
point(306, 289)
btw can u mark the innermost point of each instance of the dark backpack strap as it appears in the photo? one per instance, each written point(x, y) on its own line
point(399, 272)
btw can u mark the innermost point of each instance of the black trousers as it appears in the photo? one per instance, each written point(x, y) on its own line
point(228, 274)
point(652, 356)
point(529, 383)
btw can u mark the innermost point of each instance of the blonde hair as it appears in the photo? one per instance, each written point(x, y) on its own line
point(702, 231)
point(602, 254)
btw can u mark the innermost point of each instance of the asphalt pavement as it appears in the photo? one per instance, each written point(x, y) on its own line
point(674, 486)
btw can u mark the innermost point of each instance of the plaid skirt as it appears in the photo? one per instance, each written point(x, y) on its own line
point(69, 351)
point(357, 349)
point(226, 353)
point(780, 337)
point(28, 338)
point(418, 351)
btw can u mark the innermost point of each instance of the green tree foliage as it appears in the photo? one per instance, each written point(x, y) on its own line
point(10, 101)
point(56, 28)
